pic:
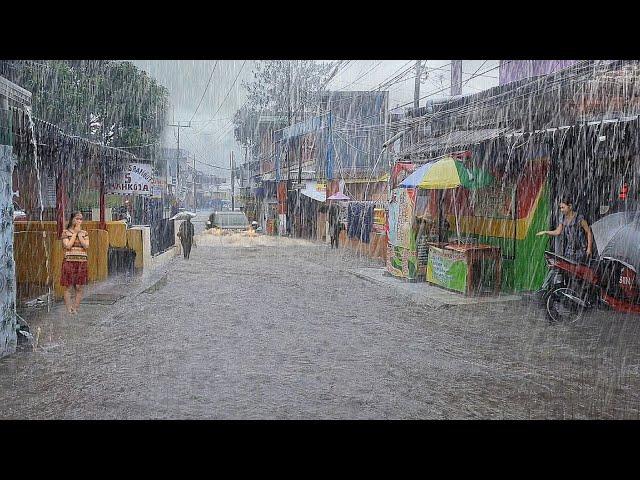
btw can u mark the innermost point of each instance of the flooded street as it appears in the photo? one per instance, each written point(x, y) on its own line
point(268, 327)
point(382, 234)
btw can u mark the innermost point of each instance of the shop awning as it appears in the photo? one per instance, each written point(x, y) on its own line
point(315, 194)
point(450, 141)
point(383, 178)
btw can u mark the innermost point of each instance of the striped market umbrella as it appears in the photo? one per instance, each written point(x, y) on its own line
point(446, 173)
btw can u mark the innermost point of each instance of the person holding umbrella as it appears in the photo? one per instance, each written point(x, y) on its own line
point(334, 217)
point(186, 234)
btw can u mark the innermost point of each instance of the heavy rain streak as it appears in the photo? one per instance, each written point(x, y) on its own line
point(308, 239)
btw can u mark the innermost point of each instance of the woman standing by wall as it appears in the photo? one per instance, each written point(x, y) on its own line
point(74, 266)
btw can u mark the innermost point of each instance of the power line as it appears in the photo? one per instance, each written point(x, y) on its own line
point(483, 64)
point(361, 76)
point(390, 81)
point(430, 94)
point(211, 120)
point(230, 88)
point(394, 75)
point(212, 166)
point(408, 103)
point(205, 90)
point(472, 105)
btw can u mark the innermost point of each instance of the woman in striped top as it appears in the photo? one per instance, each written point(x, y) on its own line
point(74, 267)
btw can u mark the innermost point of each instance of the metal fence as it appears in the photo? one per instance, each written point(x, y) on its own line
point(162, 235)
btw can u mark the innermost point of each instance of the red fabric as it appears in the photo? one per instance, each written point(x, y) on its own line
point(282, 197)
point(624, 192)
point(74, 273)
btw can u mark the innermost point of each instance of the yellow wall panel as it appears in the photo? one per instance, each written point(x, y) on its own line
point(117, 234)
point(134, 242)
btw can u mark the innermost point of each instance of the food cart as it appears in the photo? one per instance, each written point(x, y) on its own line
point(472, 269)
point(464, 265)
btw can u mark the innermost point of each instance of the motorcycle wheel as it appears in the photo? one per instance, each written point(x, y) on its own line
point(562, 309)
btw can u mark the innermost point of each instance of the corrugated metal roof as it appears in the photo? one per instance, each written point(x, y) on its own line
point(14, 93)
point(449, 141)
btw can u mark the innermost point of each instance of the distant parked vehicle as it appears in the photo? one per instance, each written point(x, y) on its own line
point(228, 221)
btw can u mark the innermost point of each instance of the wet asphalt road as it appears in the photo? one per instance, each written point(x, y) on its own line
point(279, 329)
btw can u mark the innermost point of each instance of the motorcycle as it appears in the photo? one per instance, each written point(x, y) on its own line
point(575, 288)
point(609, 281)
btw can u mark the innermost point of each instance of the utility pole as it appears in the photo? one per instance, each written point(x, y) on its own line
point(233, 206)
point(299, 190)
point(246, 166)
point(287, 142)
point(456, 77)
point(178, 126)
point(416, 93)
point(195, 175)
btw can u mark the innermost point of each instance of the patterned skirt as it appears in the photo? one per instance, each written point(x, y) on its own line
point(74, 273)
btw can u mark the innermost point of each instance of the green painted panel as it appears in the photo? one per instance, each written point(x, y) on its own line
point(527, 270)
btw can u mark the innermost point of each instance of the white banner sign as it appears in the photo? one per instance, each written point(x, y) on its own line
point(133, 179)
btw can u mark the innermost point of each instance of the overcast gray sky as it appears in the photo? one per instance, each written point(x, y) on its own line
point(211, 136)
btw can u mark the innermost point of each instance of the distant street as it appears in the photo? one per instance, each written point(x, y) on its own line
point(276, 328)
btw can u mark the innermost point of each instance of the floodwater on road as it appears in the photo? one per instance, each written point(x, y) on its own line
point(266, 327)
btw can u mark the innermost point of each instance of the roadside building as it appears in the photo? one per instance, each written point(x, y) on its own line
point(571, 132)
point(12, 96)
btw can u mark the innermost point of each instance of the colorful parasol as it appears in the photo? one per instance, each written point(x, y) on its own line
point(338, 196)
point(446, 173)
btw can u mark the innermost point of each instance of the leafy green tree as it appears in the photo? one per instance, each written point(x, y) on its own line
point(280, 87)
point(113, 103)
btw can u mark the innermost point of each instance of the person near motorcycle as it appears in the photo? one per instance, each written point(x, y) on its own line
point(578, 244)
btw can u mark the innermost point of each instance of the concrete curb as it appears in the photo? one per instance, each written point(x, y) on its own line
point(425, 294)
point(415, 298)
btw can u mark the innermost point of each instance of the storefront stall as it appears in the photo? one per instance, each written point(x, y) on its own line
point(402, 260)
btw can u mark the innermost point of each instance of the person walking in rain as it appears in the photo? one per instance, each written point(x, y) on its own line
point(334, 226)
point(578, 239)
point(74, 266)
point(186, 233)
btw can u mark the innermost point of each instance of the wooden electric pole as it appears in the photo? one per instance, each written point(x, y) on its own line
point(233, 206)
point(178, 126)
point(416, 93)
point(194, 184)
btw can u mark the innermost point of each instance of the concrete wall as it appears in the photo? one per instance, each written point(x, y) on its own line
point(512, 70)
point(39, 256)
point(8, 339)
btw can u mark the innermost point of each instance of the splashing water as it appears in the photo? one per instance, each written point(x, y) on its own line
point(36, 166)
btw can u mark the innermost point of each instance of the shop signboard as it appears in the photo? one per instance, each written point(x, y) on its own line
point(379, 220)
point(132, 179)
point(447, 269)
point(393, 219)
point(156, 190)
point(406, 203)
